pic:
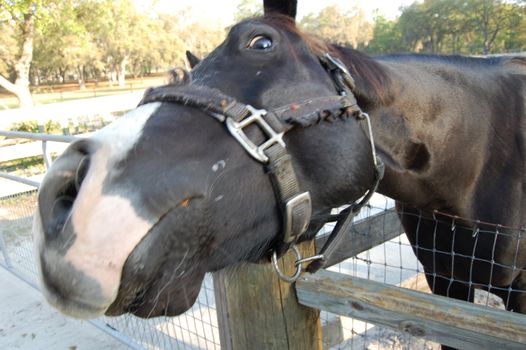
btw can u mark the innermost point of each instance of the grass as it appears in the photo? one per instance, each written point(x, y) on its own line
point(24, 167)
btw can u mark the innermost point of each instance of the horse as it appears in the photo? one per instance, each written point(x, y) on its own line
point(130, 219)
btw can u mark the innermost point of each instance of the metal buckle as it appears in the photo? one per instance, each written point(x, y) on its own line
point(256, 116)
point(297, 208)
point(337, 63)
point(346, 75)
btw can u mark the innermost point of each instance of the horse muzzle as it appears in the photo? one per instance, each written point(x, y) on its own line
point(83, 233)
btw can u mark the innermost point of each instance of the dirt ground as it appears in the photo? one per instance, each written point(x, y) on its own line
point(27, 322)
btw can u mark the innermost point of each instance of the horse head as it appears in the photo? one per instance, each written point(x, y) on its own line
point(131, 219)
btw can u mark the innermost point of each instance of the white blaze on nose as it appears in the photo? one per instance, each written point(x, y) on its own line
point(107, 227)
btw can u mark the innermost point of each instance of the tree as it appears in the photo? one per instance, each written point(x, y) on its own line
point(194, 33)
point(425, 26)
point(48, 41)
point(515, 35)
point(387, 37)
point(9, 47)
point(21, 17)
point(247, 9)
point(113, 29)
point(63, 43)
point(340, 26)
point(491, 18)
point(467, 26)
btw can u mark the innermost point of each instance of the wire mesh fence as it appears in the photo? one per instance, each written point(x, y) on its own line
point(392, 262)
point(196, 329)
point(16, 212)
point(466, 259)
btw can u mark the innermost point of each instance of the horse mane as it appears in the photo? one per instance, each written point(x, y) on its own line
point(517, 60)
point(472, 61)
point(372, 79)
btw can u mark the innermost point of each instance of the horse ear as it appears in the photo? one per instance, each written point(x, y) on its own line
point(193, 60)
point(287, 8)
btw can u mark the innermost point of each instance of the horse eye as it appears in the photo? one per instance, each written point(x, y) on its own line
point(260, 42)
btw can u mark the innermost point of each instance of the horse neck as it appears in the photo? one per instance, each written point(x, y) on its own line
point(413, 140)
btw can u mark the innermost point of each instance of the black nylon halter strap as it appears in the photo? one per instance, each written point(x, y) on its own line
point(282, 119)
point(345, 85)
point(295, 205)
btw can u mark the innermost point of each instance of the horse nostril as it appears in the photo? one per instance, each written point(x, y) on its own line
point(61, 187)
point(60, 213)
point(66, 195)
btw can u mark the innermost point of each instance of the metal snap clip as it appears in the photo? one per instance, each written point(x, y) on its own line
point(297, 273)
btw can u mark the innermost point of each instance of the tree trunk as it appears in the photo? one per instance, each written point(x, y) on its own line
point(24, 96)
point(122, 72)
point(24, 62)
point(21, 91)
point(21, 86)
point(81, 79)
point(112, 76)
point(62, 75)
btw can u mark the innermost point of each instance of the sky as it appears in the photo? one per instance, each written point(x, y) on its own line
point(223, 10)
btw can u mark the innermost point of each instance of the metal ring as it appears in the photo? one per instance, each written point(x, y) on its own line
point(297, 273)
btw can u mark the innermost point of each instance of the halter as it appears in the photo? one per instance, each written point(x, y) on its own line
point(295, 205)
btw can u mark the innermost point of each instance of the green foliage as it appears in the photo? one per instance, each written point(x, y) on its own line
point(455, 27)
point(24, 166)
point(8, 48)
point(51, 127)
point(340, 26)
point(247, 9)
point(386, 37)
point(64, 42)
point(105, 39)
point(99, 39)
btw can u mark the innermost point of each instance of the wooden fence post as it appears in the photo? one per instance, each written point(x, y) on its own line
point(257, 310)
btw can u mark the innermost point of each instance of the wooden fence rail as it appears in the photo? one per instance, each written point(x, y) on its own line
point(445, 320)
point(256, 310)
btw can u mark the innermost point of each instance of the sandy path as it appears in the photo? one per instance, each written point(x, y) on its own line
point(27, 322)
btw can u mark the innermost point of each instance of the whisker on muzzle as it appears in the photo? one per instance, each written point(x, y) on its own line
point(170, 280)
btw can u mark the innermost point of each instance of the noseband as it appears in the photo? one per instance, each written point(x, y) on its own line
point(294, 204)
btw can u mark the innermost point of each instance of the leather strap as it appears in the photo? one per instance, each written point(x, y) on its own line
point(286, 188)
point(303, 113)
point(345, 85)
point(294, 205)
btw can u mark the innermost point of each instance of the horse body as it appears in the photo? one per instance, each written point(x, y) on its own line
point(449, 130)
point(459, 125)
point(451, 138)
